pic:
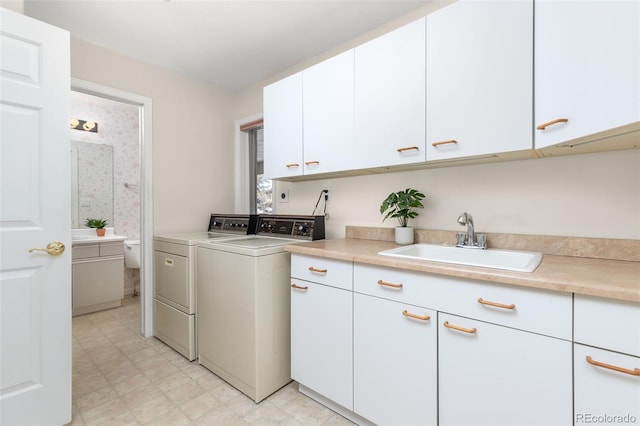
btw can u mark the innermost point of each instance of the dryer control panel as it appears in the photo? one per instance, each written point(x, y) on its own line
point(301, 227)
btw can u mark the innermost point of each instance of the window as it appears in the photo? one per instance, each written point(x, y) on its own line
point(260, 200)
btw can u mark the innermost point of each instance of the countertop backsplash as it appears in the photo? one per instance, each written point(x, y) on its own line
point(595, 248)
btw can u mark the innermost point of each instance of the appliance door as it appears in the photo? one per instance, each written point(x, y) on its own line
point(175, 328)
point(172, 277)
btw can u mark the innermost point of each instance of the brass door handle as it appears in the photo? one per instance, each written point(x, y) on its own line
point(496, 304)
point(316, 270)
point(292, 165)
point(54, 248)
point(552, 122)
point(388, 284)
point(416, 316)
point(311, 163)
point(634, 372)
point(456, 327)
point(299, 287)
point(437, 144)
point(408, 148)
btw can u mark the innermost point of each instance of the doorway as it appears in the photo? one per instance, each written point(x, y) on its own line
point(144, 187)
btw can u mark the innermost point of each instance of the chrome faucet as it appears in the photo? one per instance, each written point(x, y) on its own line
point(469, 240)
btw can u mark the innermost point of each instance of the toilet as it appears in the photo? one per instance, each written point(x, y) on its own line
point(132, 254)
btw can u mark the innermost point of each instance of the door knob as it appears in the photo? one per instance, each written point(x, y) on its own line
point(55, 248)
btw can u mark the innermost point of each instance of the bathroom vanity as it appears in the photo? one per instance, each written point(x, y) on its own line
point(97, 272)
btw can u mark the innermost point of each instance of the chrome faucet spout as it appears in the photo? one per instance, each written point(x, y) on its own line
point(466, 219)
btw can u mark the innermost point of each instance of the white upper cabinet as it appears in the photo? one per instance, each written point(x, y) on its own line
point(479, 79)
point(390, 98)
point(283, 128)
point(587, 70)
point(328, 115)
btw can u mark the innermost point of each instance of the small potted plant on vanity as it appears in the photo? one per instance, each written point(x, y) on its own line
point(402, 205)
point(99, 224)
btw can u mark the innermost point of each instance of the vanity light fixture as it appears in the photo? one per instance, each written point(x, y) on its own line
point(87, 126)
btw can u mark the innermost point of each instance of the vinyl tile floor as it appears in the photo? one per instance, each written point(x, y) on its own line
point(122, 378)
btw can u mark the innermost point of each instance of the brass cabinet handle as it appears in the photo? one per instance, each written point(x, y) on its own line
point(292, 165)
point(388, 284)
point(418, 317)
point(309, 163)
point(408, 148)
point(451, 141)
point(455, 327)
point(299, 287)
point(497, 305)
point(319, 271)
point(54, 248)
point(634, 372)
point(552, 122)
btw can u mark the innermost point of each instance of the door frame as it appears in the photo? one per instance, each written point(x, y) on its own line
point(146, 189)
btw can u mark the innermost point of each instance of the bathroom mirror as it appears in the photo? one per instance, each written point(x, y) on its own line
point(91, 183)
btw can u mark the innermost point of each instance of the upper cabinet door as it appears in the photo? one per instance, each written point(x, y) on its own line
point(283, 128)
point(328, 115)
point(587, 68)
point(479, 79)
point(390, 98)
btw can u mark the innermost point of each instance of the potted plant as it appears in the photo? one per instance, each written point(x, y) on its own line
point(402, 205)
point(99, 224)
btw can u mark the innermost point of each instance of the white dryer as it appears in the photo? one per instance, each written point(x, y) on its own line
point(175, 319)
point(243, 301)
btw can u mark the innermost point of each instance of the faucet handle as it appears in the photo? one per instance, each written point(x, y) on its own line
point(460, 237)
point(482, 240)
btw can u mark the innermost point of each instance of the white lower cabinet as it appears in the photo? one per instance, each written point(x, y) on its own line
point(495, 375)
point(322, 339)
point(606, 386)
point(394, 362)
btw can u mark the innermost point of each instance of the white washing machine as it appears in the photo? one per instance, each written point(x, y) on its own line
point(175, 320)
point(243, 303)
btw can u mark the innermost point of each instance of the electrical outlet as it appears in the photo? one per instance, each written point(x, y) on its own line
point(326, 190)
point(283, 196)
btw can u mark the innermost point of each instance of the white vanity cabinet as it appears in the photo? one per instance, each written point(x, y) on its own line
point(97, 276)
point(390, 98)
point(322, 328)
point(327, 108)
point(606, 359)
point(479, 79)
point(490, 374)
point(283, 128)
point(587, 73)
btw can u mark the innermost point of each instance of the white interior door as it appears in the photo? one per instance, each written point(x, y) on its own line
point(35, 210)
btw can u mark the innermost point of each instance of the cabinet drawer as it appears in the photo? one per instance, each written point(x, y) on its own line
point(114, 249)
point(180, 249)
point(172, 277)
point(395, 284)
point(85, 251)
point(608, 324)
point(335, 273)
point(538, 311)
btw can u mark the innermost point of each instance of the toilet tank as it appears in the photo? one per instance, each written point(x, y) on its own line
point(132, 254)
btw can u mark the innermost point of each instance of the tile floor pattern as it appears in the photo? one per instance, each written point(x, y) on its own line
point(121, 378)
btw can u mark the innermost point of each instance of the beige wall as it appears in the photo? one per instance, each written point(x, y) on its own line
point(192, 135)
point(15, 5)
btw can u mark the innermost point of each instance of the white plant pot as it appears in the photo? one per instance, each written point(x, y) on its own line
point(404, 235)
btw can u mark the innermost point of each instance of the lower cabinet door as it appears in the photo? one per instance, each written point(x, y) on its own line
point(494, 375)
point(395, 362)
point(606, 386)
point(322, 339)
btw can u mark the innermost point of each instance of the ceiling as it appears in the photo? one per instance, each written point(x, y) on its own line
point(231, 44)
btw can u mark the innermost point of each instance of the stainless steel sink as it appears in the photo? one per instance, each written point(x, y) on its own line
point(510, 260)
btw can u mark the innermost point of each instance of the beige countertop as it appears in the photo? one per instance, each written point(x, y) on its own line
point(614, 279)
